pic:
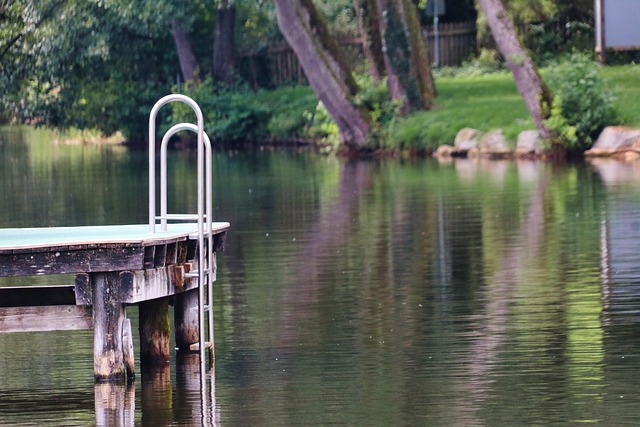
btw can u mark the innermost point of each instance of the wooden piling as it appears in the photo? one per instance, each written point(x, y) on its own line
point(127, 346)
point(186, 319)
point(108, 319)
point(155, 331)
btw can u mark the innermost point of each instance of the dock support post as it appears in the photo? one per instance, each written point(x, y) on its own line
point(108, 319)
point(155, 331)
point(186, 319)
point(127, 346)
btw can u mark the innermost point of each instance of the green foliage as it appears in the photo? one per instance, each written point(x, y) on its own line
point(374, 98)
point(487, 62)
point(230, 114)
point(322, 127)
point(240, 114)
point(292, 110)
point(548, 28)
point(87, 64)
point(583, 105)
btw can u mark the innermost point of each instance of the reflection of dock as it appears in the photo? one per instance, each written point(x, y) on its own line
point(118, 265)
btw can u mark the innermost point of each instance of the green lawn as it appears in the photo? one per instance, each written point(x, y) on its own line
point(624, 82)
point(492, 101)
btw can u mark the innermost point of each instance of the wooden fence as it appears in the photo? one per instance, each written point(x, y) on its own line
point(456, 43)
point(279, 65)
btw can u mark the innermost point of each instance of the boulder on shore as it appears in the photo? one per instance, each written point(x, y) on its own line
point(494, 145)
point(529, 143)
point(466, 139)
point(616, 141)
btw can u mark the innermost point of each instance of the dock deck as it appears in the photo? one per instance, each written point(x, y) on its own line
point(87, 249)
point(19, 239)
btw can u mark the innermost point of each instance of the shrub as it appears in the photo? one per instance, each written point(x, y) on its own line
point(374, 97)
point(583, 105)
point(230, 114)
point(240, 114)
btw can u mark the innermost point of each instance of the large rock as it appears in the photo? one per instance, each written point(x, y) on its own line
point(617, 141)
point(493, 144)
point(529, 143)
point(466, 139)
point(444, 151)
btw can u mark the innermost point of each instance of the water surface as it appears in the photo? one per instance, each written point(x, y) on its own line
point(356, 292)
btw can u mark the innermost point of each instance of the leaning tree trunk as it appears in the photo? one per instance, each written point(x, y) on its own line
point(224, 45)
point(369, 27)
point(525, 74)
point(406, 56)
point(186, 57)
point(327, 73)
point(389, 24)
point(420, 62)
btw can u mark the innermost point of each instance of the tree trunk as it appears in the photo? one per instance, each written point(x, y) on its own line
point(525, 74)
point(186, 57)
point(327, 73)
point(396, 90)
point(224, 45)
point(369, 27)
point(406, 55)
point(420, 62)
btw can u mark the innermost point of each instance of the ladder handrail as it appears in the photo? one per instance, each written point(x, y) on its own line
point(152, 155)
point(163, 174)
point(202, 144)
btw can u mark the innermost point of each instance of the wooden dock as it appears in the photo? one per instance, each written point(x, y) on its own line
point(114, 266)
point(119, 265)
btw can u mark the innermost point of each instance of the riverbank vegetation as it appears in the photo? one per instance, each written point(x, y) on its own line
point(102, 65)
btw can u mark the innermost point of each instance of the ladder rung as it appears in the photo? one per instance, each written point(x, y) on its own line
point(196, 274)
point(180, 217)
point(196, 346)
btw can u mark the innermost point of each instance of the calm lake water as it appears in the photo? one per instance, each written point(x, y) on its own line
point(356, 292)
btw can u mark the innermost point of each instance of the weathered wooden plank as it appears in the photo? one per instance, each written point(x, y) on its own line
point(26, 296)
point(76, 261)
point(172, 253)
point(218, 241)
point(144, 285)
point(83, 292)
point(159, 259)
point(45, 318)
point(149, 256)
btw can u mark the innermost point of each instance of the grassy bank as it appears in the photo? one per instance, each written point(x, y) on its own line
point(484, 102)
point(492, 101)
point(624, 82)
point(481, 102)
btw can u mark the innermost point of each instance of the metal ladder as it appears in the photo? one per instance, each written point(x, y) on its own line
point(205, 273)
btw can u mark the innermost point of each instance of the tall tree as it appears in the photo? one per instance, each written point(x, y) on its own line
point(405, 55)
point(528, 81)
point(327, 72)
point(186, 57)
point(224, 42)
